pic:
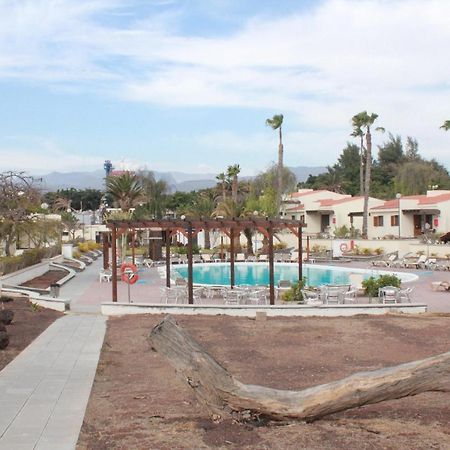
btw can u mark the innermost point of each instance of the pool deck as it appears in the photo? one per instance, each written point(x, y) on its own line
point(87, 293)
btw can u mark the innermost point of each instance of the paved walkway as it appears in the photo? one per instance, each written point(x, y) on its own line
point(44, 391)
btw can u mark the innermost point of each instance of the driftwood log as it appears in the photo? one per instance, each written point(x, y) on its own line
point(225, 396)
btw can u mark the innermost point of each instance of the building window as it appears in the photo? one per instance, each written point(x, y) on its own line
point(378, 221)
point(394, 221)
point(293, 217)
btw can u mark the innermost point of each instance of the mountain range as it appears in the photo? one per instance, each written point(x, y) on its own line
point(178, 181)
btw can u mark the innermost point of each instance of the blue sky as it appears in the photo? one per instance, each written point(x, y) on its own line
point(186, 85)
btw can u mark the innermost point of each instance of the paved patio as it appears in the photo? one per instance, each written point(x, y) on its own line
point(87, 293)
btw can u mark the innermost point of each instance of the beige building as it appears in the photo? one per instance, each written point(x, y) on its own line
point(323, 211)
point(411, 216)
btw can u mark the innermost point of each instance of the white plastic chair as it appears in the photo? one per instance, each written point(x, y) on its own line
point(105, 275)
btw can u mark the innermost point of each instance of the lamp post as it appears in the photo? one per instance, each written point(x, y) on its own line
point(398, 196)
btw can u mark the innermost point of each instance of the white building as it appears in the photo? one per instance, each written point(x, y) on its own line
point(410, 216)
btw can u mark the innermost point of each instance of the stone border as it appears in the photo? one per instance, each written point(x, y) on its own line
point(118, 309)
point(58, 304)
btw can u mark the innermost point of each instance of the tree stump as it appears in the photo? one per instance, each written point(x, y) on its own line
point(6, 316)
point(224, 395)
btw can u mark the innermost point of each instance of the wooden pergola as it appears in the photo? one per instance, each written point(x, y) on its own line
point(191, 227)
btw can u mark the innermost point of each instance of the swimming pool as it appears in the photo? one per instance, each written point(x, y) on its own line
point(258, 273)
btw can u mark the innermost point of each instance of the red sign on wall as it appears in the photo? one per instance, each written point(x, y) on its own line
point(436, 222)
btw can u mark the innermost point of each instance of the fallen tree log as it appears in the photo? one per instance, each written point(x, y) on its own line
point(224, 395)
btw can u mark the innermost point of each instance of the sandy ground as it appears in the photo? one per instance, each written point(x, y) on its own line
point(29, 322)
point(137, 401)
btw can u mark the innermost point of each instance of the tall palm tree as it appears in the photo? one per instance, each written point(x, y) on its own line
point(446, 125)
point(365, 121)
point(232, 173)
point(222, 179)
point(358, 132)
point(275, 123)
point(125, 189)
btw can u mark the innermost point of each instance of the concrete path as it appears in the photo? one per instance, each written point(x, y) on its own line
point(44, 391)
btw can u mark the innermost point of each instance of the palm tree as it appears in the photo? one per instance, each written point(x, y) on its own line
point(364, 121)
point(358, 132)
point(154, 193)
point(203, 207)
point(275, 123)
point(232, 173)
point(446, 125)
point(125, 189)
point(222, 178)
point(62, 204)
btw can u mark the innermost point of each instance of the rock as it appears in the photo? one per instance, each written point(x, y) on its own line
point(4, 340)
point(6, 316)
point(2, 327)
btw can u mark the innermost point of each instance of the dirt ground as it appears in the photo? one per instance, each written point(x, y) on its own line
point(137, 401)
point(45, 280)
point(29, 322)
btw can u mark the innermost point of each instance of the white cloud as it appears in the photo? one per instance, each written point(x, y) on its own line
point(318, 67)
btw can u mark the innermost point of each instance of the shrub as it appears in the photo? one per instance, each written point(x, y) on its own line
point(341, 232)
point(83, 247)
point(316, 248)
point(366, 251)
point(294, 294)
point(372, 284)
point(279, 246)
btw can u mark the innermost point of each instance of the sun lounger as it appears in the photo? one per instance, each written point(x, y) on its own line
point(240, 257)
point(207, 257)
point(385, 262)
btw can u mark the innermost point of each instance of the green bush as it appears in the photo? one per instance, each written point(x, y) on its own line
point(372, 284)
point(294, 294)
point(341, 232)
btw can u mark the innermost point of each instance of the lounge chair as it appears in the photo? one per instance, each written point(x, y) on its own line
point(197, 259)
point(251, 258)
point(240, 257)
point(207, 257)
point(418, 263)
point(385, 262)
point(263, 258)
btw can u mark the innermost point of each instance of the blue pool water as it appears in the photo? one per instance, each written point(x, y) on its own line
point(258, 274)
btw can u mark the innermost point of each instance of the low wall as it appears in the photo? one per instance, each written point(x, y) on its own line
point(28, 273)
point(58, 304)
point(119, 309)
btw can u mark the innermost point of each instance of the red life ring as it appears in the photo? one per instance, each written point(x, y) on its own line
point(343, 247)
point(129, 273)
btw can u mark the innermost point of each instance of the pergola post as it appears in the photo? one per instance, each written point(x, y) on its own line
point(133, 251)
point(168, 237)
point(271, 267)
point(190, 267)
point(300, 254)
point(105, 251)
point(114, 262)
point(232, 258)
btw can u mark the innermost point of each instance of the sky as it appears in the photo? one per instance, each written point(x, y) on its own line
point(187, 85)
